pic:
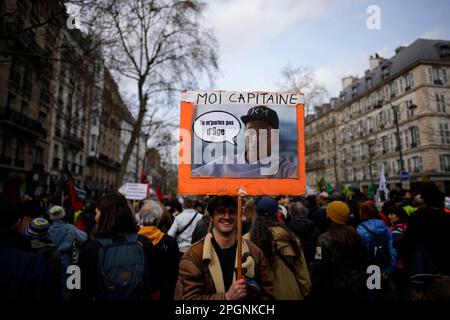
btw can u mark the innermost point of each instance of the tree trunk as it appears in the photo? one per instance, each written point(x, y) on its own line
point(134, 136)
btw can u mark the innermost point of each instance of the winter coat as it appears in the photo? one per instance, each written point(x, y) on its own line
point(288, 285)
point(88, 263)
point(378, 227)
point(200, 275)
point(64, 234)
point(337, 277)
point(308, 233)
point(25, 275)
point(398, 231)
point(168, 256)
point(429, 227)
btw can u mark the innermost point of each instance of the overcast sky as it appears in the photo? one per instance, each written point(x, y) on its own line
point(259, 37)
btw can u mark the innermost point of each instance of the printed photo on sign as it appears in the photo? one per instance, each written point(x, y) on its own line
point(244, 141)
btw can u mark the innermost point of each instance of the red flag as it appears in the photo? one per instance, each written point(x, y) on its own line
point(159, 194)
point(76, 204)
point(143, 177)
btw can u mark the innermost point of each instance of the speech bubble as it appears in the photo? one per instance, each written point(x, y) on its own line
point(217, 126)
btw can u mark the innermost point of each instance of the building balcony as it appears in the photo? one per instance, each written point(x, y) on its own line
point(104, 160)
point(74, 141)
point(22, 122)
point(38, 167)
point(312, 148)
point(19, 163)
point(55, 163)
point(315, 165)
point(5, 160)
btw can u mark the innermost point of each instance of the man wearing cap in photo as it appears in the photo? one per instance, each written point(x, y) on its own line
point(260, 121)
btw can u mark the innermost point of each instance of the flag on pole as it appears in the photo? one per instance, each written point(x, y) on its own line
point(382, 185)
point(328, 188)
point(76, 203)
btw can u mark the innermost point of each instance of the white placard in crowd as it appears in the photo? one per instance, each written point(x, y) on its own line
point(134, 191)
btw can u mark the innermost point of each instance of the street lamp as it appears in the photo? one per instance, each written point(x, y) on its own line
point(395, 111)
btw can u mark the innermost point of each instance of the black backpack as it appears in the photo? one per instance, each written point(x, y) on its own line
point(379, 253)
point(121, 265)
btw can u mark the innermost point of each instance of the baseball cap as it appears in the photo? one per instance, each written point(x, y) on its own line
point(262, 113)
point(266, 207)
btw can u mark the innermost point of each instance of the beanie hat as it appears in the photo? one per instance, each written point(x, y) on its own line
point(37, 228)
point(56, 212)
point(266, 207)
point(338, 212)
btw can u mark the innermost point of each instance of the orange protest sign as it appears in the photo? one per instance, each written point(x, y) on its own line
point(249, 140)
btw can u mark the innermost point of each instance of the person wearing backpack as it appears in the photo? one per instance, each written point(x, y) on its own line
point(425, 247)
point(166, 247)
point(379, 244)
point(26, 276)
point(398, 219)
point(67, 239)
point(37, 233)
point(338, 271)
point(118, 264)
point(184, 224)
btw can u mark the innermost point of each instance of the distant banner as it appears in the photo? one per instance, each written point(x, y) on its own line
point(134, 191)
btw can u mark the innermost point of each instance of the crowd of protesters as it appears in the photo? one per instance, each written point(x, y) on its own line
point(316, 247)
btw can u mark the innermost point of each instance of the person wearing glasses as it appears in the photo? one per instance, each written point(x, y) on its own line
point(208, 268)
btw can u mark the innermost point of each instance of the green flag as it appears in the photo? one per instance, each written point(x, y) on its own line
point(345, 190)
point(329, 188)
point(371, 191)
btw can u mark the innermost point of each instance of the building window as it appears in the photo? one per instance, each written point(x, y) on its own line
point(45, 92)
point(20, 150)
point(444, 133)
point(39, 155)
point(415, 139)
point(385, 72)
point(42, 117)
point(437, 75)
point(409, 81)
point(24, 107)
point(93, 143)
point(409, 110)
point(369, 82)
point(440, 101)
point(11, 103)
point(444, 160)
point(15, 74)
point(416, 164)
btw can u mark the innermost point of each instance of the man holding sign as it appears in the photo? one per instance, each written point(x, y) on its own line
point(207, 269)
point(261, 156)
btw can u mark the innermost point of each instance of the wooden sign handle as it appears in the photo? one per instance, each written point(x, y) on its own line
point(239, 239)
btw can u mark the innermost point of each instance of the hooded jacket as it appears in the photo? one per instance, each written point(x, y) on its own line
point(64, 234)
point(200, 274)
point(378, 227)
point(25, 275)
point(286, 284)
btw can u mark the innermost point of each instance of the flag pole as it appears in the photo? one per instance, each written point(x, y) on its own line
point(241, 193)
point(239, 239)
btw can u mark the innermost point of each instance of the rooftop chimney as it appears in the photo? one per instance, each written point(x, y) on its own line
point(347, 81)
point(399, 49)
point(374, 61)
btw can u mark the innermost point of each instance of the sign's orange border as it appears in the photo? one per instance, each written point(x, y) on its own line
point(230, 186)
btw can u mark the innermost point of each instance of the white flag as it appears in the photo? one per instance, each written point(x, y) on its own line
point(382, 186)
